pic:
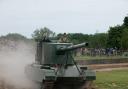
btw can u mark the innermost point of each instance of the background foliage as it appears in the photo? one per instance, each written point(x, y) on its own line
point(116, 37)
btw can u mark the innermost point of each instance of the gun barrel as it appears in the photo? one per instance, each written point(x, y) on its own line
point(73, 47)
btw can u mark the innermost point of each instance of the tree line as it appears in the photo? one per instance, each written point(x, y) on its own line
point(116, 37)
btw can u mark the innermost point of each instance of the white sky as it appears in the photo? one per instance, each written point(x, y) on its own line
point(82, 16)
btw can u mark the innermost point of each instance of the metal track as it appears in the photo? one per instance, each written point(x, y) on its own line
point(47, 85)
point(87, 85)
point(51, 85)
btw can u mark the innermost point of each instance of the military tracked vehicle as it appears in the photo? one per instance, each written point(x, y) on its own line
point(55, 67)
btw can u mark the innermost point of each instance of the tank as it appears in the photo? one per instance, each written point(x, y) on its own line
point(55, 67)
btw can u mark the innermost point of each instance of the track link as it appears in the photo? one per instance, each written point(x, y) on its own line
point(47, 85)
point(52, 85)
point(87, 85)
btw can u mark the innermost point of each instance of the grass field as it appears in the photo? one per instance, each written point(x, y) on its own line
point(116, 79)
point(97, 57)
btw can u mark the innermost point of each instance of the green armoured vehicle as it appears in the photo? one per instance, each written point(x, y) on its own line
point(55, 68)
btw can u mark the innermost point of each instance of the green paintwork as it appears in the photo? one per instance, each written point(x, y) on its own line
point(54, 61)
point(49, 55)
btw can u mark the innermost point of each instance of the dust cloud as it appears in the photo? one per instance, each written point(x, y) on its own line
point(14, 56)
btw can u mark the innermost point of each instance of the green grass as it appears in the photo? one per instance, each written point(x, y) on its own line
point(97, 57)
point(117, 79)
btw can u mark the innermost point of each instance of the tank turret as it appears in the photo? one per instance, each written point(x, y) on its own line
point(55, 53)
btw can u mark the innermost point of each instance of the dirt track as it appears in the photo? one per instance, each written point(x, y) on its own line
point(108, 67)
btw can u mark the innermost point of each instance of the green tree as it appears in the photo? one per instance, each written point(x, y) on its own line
point(124, 39)
point(117, 35)
point(98, 40)
point(42, 32)
point(14, 36)
point(114, 36)
point(126, 21)
point(78, 37)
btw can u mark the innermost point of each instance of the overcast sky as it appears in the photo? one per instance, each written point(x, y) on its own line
point(82, 16)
